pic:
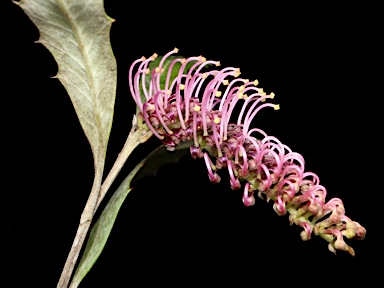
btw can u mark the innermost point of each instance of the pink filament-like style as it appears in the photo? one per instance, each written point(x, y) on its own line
point(198, 103)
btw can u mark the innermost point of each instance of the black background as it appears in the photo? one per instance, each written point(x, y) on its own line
point(177, 227)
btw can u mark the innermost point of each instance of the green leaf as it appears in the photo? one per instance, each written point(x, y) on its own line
point(76, 32)
point(175, 71)
point(160, 157)
point(102, 228)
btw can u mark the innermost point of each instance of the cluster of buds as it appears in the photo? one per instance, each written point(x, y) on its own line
point(196, 104)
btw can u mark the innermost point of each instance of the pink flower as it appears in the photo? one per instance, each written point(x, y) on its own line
point(198, 105)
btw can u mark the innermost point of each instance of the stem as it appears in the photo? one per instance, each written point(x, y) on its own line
point(135, 137)
point(82, 230)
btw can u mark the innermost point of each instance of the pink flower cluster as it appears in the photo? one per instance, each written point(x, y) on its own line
point(198, 103)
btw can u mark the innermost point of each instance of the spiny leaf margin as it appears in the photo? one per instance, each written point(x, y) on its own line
point(76, 32)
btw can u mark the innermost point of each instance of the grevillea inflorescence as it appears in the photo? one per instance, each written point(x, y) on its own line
point(197, 104)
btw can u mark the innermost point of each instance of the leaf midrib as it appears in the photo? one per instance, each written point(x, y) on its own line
point(65, 11)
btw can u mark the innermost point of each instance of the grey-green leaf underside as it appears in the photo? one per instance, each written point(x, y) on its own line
point(76, 32)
